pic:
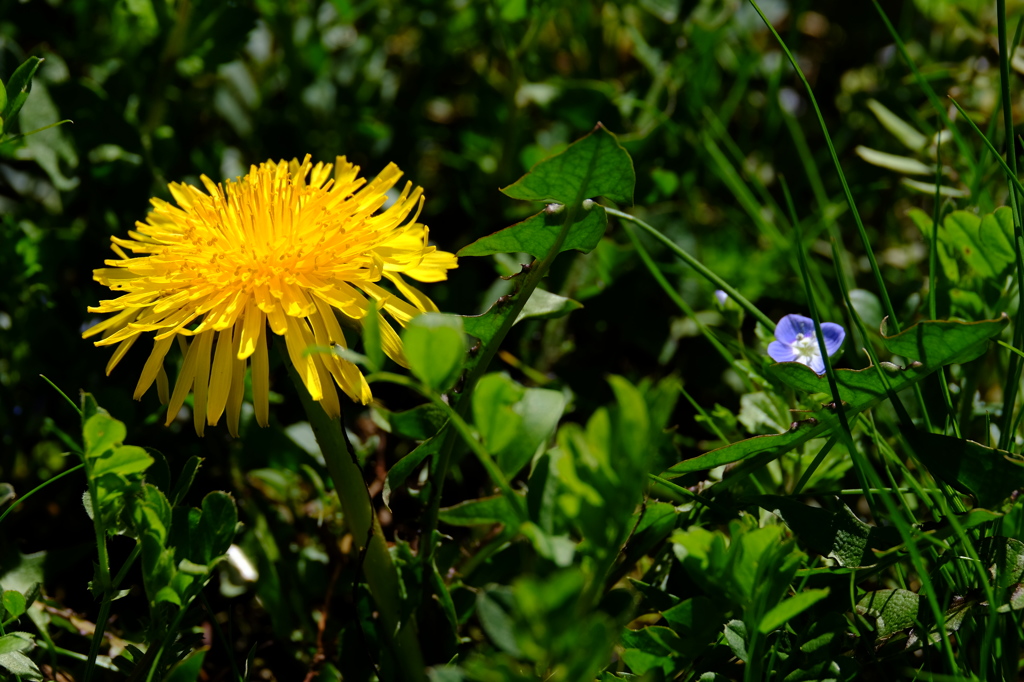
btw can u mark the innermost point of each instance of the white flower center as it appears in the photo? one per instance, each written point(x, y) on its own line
point(806, 348)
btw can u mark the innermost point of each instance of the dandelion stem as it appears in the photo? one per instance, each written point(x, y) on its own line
point(378, 569)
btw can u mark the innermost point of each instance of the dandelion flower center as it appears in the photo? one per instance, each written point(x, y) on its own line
point(288, 245)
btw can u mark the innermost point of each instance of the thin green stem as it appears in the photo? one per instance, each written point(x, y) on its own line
point(65, 395)
point(39, 487)
point(696, 265)
point(652, 267)
point(940, 109)
point(886, 303)
point(818, 459)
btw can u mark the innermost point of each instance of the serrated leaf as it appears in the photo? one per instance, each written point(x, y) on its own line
point(15, 642)
point(19, 664)
point(593, 166)
point(536, 235)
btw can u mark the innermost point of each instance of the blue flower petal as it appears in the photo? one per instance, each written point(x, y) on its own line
point(790, 326)
point(781, 352)
point(817, 364)
point(834, 335)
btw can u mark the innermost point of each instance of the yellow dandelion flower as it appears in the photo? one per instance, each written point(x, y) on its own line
point(286, 245)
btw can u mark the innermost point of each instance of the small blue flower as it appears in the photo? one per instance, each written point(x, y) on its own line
point(721, 297)
point(795, 341)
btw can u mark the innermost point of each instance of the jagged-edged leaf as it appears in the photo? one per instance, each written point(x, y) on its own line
point(593, 166)
point(537, 234)
point(934, 343)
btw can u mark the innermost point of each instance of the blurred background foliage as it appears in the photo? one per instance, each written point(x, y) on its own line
point(465, 97)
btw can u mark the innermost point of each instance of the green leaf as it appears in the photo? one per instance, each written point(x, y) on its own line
point(185, 478)
point(492, 608)
point(894, 162)
point(934, 343)
point(15, 642)
point(593, 166)
point(419, 423)
point(536, 235)
point(514, 420)
point(925, 223)
point(1004, 559)
point(839, 534)
point(14, 603)
point(3, 99)
point(123, 460)
point(544, 305)
point(996, 236)
point(904, 132)
point(735, 633)
point(990, 475)
point(894, 610)
point(216, 527)
point(435, 347)
point(485, 511)
point(151, 513)
point(102, 433)
point(17, 90)
point(790, 608)
point(408, 464)
point(962, 228)
point(188, 669)
point(20, 665)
